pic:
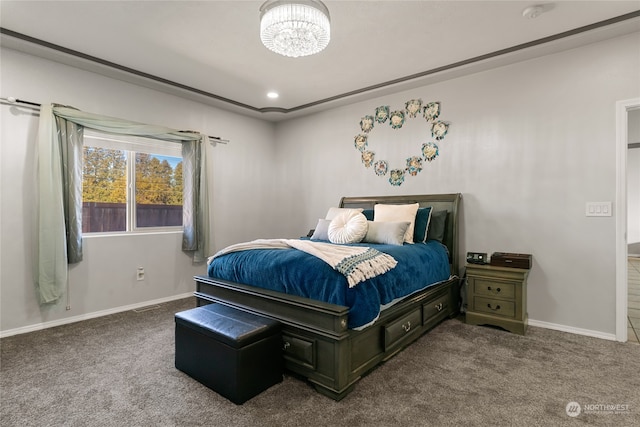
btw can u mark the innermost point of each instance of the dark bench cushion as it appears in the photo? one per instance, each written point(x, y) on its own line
point(233, 327)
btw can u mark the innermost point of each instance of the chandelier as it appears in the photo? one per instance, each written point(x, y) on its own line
point(295, 28)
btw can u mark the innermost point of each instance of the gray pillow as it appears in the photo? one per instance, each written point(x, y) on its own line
point(437, 226)
point(388, 233)
point(322, 230)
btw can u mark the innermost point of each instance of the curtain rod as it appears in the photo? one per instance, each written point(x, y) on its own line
point(35, 106)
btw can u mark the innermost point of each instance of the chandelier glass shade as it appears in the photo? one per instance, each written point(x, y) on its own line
point(295, 28)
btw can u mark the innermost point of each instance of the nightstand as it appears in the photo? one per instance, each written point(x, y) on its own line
point(497, 296)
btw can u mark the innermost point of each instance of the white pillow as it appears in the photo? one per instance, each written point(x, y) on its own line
point(348, 227)
point(333, 212)
point(398, 213)
point(387, 233)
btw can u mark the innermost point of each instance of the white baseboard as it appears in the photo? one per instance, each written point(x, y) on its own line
point(572, 330)
point(87, 316)
point(53, 323)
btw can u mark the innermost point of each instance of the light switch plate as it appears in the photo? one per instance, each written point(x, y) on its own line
point(598, 209)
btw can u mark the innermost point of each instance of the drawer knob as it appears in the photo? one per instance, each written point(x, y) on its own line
point(497, 307)
point(438, 306)
point(489, 288)
point(286, 345)
point(407, 326)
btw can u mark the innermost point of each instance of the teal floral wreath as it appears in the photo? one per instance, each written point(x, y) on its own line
point(397, 118)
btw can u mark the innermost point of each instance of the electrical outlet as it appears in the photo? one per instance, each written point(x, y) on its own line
point(140, 273)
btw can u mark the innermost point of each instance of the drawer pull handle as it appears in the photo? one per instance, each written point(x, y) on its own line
point(407, 326)
point(286, 345)
point(489, 288)
point(497, 307)
point(438, 306)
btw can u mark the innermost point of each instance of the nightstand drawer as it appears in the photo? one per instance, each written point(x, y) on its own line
point(494, 306)
point(494, 289)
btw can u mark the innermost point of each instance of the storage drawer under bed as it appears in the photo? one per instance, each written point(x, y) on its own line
point(435, 310)
point(396, 331)
point(299, 350)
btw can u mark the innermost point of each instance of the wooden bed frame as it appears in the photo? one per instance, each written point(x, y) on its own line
point(316, 342)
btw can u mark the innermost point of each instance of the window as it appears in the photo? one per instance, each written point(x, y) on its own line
point(130, 183)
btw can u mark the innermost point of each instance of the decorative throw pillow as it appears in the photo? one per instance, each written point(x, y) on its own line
point(322, 230)
point(348, 227)
point(398, 213)
point(333, 212)
point(437, 226)
point(368, 213)
point(422, 224)
point(387, 233)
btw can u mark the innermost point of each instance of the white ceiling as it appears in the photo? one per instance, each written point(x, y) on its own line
point(214, 46)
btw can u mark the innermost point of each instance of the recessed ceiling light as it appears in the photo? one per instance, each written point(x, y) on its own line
point(272, 95)
point(532, 12)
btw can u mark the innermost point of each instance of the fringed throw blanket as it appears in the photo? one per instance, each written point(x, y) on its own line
point(356, 263)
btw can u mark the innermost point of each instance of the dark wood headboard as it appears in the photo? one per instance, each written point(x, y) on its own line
point(448, 202)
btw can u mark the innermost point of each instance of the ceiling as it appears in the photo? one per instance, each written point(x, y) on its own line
point(211, 51)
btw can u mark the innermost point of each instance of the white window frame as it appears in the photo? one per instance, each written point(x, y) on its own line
point(131, 145)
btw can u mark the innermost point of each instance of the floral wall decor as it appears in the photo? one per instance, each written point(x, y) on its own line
point(413, 109)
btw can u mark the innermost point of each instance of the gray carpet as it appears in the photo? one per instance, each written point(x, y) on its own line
point(118, 371)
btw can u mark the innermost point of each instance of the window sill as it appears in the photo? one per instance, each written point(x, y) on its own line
point(131, 233)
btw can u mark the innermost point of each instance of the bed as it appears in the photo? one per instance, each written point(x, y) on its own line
point(321, 341)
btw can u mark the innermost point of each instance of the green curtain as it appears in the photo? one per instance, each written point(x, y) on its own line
point(60, 135)
point(69, 142)
point(51, 259)
point(195, 206)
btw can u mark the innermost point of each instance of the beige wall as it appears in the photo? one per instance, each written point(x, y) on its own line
point(529, 145)
point(242, 176)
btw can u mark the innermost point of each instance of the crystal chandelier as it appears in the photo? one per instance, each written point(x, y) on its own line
point(295, 28)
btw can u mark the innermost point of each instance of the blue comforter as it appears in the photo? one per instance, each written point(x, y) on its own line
point(295, 272)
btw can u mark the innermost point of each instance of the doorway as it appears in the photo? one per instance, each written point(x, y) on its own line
point(626, 112)
point(633, 225)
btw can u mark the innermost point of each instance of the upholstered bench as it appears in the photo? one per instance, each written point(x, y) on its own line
point(235, 353)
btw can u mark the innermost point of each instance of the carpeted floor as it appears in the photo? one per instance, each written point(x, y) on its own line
point(118, 371)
